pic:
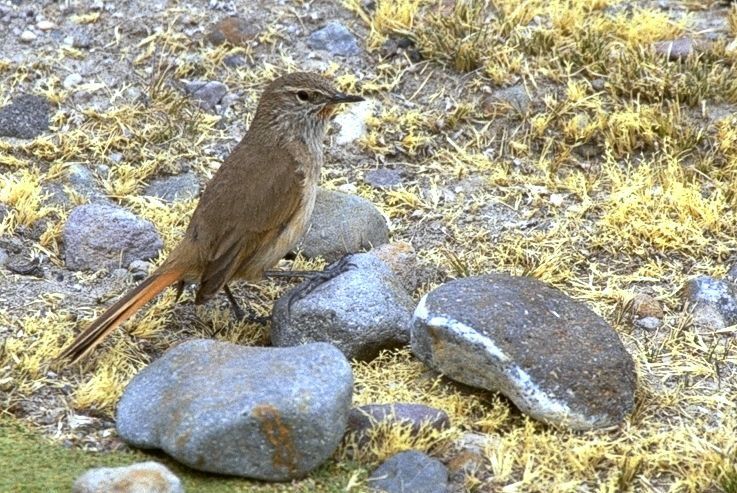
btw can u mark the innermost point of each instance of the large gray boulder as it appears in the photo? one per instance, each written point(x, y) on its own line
point(551, 355)
point(265, 413)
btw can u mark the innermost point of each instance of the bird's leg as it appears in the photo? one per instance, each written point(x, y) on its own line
point(237, 310)
point(240, 315)
point(319, 278)
point(180, 290)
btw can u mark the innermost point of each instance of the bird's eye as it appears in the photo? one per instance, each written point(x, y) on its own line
point(303, 96)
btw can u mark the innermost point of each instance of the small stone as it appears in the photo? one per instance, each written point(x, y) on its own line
point(27, 36)
point(172, 188)
point(383, 178)
point(72, 80)
point(102, 236)
point(363, 419)
point(25, 117)
point(235, 31)
point(644, 305)
point(732, 274)
point(144, 477)
point(732, 46)
point(235, 61)
point(81, 39)
point(495, 331)
point(648, 323)
point(598, 84)
point(352, 121)
point(82, 180)
point(207, 93)
point(24, 266)
point(402, 260)
point(714, 302)
point(259, 412)
point(677, 49)
point(342, 224)
point(329, 312)
point(410, 471)
point(334, 38)
point(515, 96)
point(3, 256)
point(45, 25)
point(139, 269)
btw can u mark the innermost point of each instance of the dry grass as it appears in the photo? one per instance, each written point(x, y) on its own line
point(617, 177)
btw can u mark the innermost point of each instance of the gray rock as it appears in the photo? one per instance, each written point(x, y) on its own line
point(364, 418)
point(551, 355)
point(3, 257)
point(515, 96)
point(82, 180)
point(714, 302)
point(26, 117)
point(410, 471)
point(648, 323)
point(677, 49)
point(236, 30)
point(72, 80)
point(342, 224)
point(264, 413)
point(173, 188)
point(383, 178)
point(402, 260)
point(139, 269)
point(732, 274)
point(334, 38)
point(362, 311)
point(143, 477)
point(102, 236)
point(207, 93)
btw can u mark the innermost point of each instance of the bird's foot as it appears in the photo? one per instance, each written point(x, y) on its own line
point(318, 279)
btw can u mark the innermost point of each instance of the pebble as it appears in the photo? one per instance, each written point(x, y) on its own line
point(259, 412)
point(235, 31)
point(495, 331)
point(143, 477)
point(410, 471)
point(334, 38)
point(383, 178)
point(714, 302)
point(72, 80)
point(46, 25)
point(27, 36)
point(363, 419)
point(351, 122)
point(677, 49)
point(207, 93)
point(172, 188)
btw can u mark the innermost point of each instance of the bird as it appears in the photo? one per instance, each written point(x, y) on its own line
point(254, 209)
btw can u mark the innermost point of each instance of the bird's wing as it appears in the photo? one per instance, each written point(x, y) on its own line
point(248, 203)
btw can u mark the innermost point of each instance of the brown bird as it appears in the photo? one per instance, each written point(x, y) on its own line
point(252, 212)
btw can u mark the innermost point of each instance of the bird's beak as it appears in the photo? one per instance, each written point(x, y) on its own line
point(345, 98)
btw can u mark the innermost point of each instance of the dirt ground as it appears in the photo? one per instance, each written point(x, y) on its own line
point(548, 138)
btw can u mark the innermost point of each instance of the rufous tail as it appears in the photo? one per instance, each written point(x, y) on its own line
point(121, 311)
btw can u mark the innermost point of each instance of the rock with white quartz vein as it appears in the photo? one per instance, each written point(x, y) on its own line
point(551, 355)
